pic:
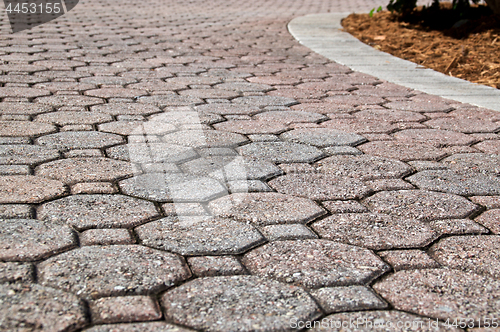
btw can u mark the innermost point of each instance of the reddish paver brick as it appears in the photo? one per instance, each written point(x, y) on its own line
point(435, 137)
point(16, 272)
point(69, 100)
point(460, 294)
point(248, 127)
point(139, 327)
point(408, 259)
point(360, 125)
point(403, 150)
point(266, 208)
point(476, 162)
point(124, 309)
point(322, 137)
point(467, 126)
point(67, 118)
point(457, 227)
point(347, 298)
point(364, 167)
point(282, 152)
point(85, 170)
point(419, 106)
point(30, 240)
point(490, 202)
point(94, 237)
point(205, 138)
point(93, 188)
point(126, 109)
point(22, 92)
point(29, 189)
point(375, 231)
point(287, 232)
point(314, 263)
point(23, 108)
point(13, 154)
point(473, 253)
point(211, 266)
point(47, 309)
point(101, 271)
point(25, 128)
point(226, 109)
point(322, 187)
point(490, 146)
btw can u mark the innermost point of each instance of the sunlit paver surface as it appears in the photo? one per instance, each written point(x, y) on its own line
point(187, 165)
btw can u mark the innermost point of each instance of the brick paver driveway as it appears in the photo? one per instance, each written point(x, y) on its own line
point(187, 165)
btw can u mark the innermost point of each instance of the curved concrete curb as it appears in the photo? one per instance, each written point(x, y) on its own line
point(322, 33)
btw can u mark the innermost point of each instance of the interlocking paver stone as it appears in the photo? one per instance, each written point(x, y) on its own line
point(151, 153)
point(457, 182)
point(29, 239)
point(248, 127)
point(79, 140)
point(478, 162)
point(467, 126)
point(205, 138)
point(211, 266)
point(364, 167)
point(29, 189)
point(26, 154)
point(25, 128)
point(441, 293)
point(73, 170)
point(314, 263)
point(491, 220)
point(375, 231)
point(266, 208)
point(320, 186)
point(93, 237)
point(199, 235)
point(457, 227)
point(139, 327)
point(231, 168)
point(347, 298)
point(288, 117)
point(100, 271)
point(419, 106)
point(15, 211)
point(124, 309)
point(420, 204)
point(69, 100)
point(265, 101)
point(403, 150)
point(282, 152)
point(162, 187)
point(386, 321)
point(170, 100)
point(389, 115)
point(97, 211)
point(22, 92)
point(408, 259)
point(227, 109)
point(23, 108)
point(238, 303)
point(184, 115)
point(126, 109)
point(66, 118)
point(474, 253)
point(322, 137)
point(435, 137)
point(287, 232)
point(30, 307)
point(16, 272)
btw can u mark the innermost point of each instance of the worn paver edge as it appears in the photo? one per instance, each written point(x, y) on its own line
point(323, 34)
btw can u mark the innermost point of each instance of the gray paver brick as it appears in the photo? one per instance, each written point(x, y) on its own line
point(266, 208)
point(139, 327)
point(12, 154)
point(29, 189)
point(25, 128)
point(322, 137)
point(95, 271)
point(16, 272)
point(211, 266)
point(97, 211)
point(79, 140)
point(282, 152)
point(195, 235)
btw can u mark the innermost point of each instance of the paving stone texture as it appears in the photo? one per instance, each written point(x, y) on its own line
point(178, 166)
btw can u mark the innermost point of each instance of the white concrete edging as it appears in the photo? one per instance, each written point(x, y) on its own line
point(322, 34)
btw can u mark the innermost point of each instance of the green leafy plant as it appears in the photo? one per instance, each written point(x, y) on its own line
point(379, 9)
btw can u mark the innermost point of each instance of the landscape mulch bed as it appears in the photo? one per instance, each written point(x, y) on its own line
point(470, 50)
